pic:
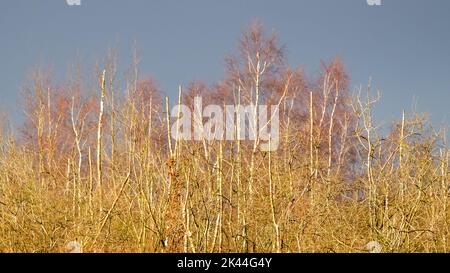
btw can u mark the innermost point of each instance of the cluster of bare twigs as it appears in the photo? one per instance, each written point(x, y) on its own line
point(101, 168)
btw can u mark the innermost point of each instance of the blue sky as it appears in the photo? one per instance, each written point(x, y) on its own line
point(403, 45)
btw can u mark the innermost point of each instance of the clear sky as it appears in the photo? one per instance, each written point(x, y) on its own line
point(403, 45)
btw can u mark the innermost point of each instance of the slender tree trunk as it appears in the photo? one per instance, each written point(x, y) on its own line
point(100, 142)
